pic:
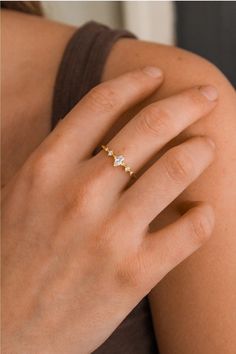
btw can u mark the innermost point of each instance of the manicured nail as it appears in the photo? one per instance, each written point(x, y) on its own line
point(209, 92)
point(152, 71)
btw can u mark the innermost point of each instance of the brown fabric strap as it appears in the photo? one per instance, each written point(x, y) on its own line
point(82, 65)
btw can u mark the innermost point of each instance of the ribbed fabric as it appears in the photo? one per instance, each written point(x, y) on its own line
point(82, 65)
point(80, 70)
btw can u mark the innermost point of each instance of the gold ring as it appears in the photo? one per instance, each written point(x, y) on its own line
point(119, 160)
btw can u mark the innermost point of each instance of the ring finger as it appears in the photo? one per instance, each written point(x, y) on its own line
point(151, 129)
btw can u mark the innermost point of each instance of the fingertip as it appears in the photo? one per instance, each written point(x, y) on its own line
point(203, 221)
point(153, 71)
point(209, 92)
point(208, 210)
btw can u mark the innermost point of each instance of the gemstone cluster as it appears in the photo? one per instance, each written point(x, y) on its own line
point(119, 160)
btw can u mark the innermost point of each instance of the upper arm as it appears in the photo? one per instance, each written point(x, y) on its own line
point(194, 307)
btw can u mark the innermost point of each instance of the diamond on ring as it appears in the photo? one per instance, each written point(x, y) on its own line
point(119, 160)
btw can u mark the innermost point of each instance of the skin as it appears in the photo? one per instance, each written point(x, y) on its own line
point(194, 307)
point(201, 290)
point(63, 241)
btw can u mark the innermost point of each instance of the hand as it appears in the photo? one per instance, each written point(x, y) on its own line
point(77, 254)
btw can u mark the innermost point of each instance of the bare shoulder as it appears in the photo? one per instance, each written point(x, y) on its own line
point(196, 297)
point(32, 48)
point(182, 70)
point(179, 65)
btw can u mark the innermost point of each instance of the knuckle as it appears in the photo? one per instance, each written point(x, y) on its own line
point(103, 241)
point(88, 189)
point(179, 165)
point(200, 227)
point(81, 201)
point(132, 273)
point(127, 277)
point(102, 98)
point(41, 168)
point(153, 121)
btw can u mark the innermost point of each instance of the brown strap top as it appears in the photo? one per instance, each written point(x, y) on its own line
point(82, 65)
point(80, 70)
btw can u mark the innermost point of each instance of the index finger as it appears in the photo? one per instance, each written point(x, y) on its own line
point(84, 127)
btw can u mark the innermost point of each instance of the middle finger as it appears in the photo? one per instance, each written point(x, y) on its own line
point(152, 128)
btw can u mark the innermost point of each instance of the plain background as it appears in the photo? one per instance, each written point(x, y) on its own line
point(149, 20)
point(207, 28)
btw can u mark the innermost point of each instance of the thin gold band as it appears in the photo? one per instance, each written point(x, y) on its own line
point(118, 160)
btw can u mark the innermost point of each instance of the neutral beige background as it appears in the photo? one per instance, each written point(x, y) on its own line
point(149, 20)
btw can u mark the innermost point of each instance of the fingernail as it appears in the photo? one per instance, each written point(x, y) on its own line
point(152, 71)
point(211, 142)
point(209, 92)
